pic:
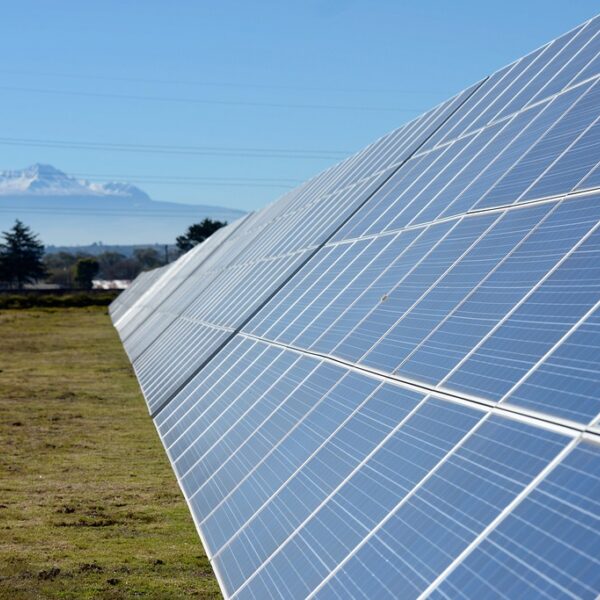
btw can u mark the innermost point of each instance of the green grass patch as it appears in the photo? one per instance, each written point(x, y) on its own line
point(89, 506)
point(50, 300)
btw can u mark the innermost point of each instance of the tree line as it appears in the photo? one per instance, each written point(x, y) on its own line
point(23, 259)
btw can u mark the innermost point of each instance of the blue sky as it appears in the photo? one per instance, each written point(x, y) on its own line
point(179, 79)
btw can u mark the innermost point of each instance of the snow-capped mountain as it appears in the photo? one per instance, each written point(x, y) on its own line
point(65, 210)
point(46, 180)
point(115, 188)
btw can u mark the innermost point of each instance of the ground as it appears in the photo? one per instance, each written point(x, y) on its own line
point(89, 506)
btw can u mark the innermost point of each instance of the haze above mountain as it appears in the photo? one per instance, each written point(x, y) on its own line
point(67, 211)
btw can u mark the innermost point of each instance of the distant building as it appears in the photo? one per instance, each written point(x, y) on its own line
point(111, 284)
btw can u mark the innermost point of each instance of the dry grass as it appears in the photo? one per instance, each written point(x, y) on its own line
point(89, 507)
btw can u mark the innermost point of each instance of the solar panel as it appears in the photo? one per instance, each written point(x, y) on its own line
point(385, 384)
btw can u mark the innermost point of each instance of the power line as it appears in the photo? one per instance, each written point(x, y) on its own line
point(193, 181)
point(96, 212)
point(224, 84)
point(166, 149)
point(207, 183)
point(209, 102)
point(122, 176)
point(208, 148)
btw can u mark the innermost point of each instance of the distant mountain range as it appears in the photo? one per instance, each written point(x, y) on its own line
point(66, 211)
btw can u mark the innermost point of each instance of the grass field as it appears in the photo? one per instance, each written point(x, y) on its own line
point(89, 506)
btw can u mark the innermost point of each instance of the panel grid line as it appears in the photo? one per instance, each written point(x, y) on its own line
point(403, 501)
point(500, 517)
point(542, 420)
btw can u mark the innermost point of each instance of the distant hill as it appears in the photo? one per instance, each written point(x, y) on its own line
point(66, 211)
point(124, 249)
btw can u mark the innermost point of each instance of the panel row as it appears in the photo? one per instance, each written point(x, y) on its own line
point(477, 305)
point(386, 383)
point(305, 478)
point(547, 150)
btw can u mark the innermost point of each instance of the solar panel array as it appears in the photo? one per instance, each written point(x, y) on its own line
point(386, 383)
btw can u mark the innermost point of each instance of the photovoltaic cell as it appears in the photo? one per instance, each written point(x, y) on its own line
point(459, 498)
point(546, 545)
point(385, 384)
point(567, 379)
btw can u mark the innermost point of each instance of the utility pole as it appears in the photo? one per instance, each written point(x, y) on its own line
point(166, 254)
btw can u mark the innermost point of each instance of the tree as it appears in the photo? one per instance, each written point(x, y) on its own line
point(21, 256)
point(149, 258)
point(111, 264)
point(114, 265)
point(85, 271)
point(60, 267)
point(198, 233)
